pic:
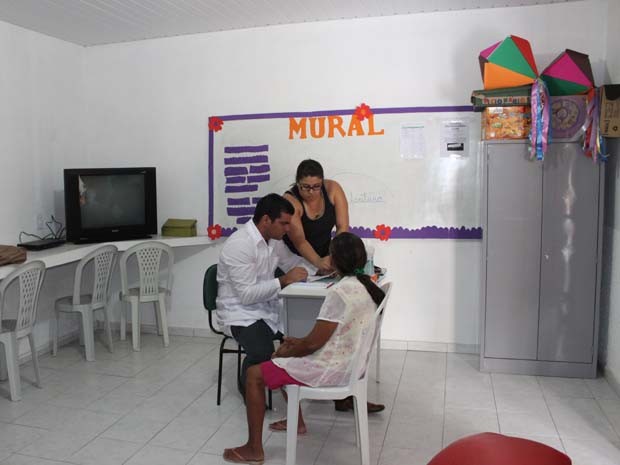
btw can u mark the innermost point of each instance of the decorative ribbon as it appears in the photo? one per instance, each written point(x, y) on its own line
point(593, 143)
point(541, 118)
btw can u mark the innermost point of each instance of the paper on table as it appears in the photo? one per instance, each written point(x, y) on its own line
point(316, 284)
point(316, 277)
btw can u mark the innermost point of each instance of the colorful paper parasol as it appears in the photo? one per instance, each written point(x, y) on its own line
point(508, 63)
point(569, 74)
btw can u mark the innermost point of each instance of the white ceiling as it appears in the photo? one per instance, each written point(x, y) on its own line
point(96, 22)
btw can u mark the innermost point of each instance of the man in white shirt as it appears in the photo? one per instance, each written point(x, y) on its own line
point(248, 306)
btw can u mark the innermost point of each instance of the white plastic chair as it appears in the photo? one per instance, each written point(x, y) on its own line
point(30, 278)
point(355, 388)
point(149, 256)
point(103, 259)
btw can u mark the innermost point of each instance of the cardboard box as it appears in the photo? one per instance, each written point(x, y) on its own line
point(508, 97)
point(506, 123)
point(179, 228)
point(568, 114)
point(610, 110)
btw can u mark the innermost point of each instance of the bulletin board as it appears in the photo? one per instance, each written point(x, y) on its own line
point(407, 172)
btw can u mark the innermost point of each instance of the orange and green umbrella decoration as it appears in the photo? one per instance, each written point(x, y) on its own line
point(509, 63)
point(569, 74)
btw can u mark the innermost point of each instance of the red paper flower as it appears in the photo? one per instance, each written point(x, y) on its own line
point(214, 231)
point(382, 232)
point(362, 112)
point(215, 123)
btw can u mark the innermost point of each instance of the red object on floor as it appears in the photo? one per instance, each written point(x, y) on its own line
point(497, 449)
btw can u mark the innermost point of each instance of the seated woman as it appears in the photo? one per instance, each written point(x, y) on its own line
point(324, 356)
point(320, 205)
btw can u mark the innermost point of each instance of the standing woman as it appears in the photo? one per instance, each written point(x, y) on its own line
point(320, 205)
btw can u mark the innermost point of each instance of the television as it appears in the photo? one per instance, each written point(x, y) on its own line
point(110, 204)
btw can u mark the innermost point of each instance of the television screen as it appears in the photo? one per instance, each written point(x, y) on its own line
point(107, 204)
point(111, 200)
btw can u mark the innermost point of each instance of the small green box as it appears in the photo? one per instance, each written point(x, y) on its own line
point(179, 228)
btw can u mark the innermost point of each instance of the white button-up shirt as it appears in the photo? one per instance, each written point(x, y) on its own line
point(247, 289)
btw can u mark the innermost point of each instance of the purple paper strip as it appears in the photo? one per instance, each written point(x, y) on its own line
point(241, 201)
point(259, 168)
point(234, 170)
point(235, 179)
point(245, 160)
point(246, 148)
point(246, 188)
point(243, 220)
point(259, 178)
point(240, 211)
point(255, 200)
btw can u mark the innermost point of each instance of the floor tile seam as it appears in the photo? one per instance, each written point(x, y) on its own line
point(495, 403)
point(35, 427)
point(544, 394)
point(613, 427)
point(179, 374)
point(148, 443)
point(98, 436)
point(445, 400)
point(400, 377)
point(315, 461)
point(179, 414)
point(39, 457)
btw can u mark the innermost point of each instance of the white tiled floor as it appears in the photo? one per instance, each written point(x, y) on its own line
point(157, 407)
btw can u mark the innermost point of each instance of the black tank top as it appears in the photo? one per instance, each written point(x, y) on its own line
point(319, 231)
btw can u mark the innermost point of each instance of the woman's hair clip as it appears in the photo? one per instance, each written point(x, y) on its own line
point(358, 271)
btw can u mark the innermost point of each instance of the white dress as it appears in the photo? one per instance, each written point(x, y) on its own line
point(349, 304)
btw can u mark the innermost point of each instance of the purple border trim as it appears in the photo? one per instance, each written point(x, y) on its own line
point(426, 232)
point(348, 111)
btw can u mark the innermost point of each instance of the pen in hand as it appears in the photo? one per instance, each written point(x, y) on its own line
point(330, 284)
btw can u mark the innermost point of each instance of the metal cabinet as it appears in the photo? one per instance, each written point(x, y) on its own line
point(541, 260)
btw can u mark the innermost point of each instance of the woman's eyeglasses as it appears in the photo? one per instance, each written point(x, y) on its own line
point(308, 187)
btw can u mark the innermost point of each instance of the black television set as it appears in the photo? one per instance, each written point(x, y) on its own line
point(110, 204)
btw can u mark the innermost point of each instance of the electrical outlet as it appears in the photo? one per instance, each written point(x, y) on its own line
point(40, 222)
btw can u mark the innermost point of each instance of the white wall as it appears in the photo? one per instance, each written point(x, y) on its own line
point(610, 295)
point(147, 103)
point(40, 126)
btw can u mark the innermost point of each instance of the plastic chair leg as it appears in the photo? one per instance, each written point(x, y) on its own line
point(135, 325)
point(361, 417)
point(123, 326)
point(81, 335)
point(55, 333)
point(157, 319)
point(163, 321)
point(35, 360)
point(12, 366)
point(89, 335)
point(108, 327)
point(3, 372)
point(292, 417)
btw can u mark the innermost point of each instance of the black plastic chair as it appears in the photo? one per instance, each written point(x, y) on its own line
point(209, 294)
